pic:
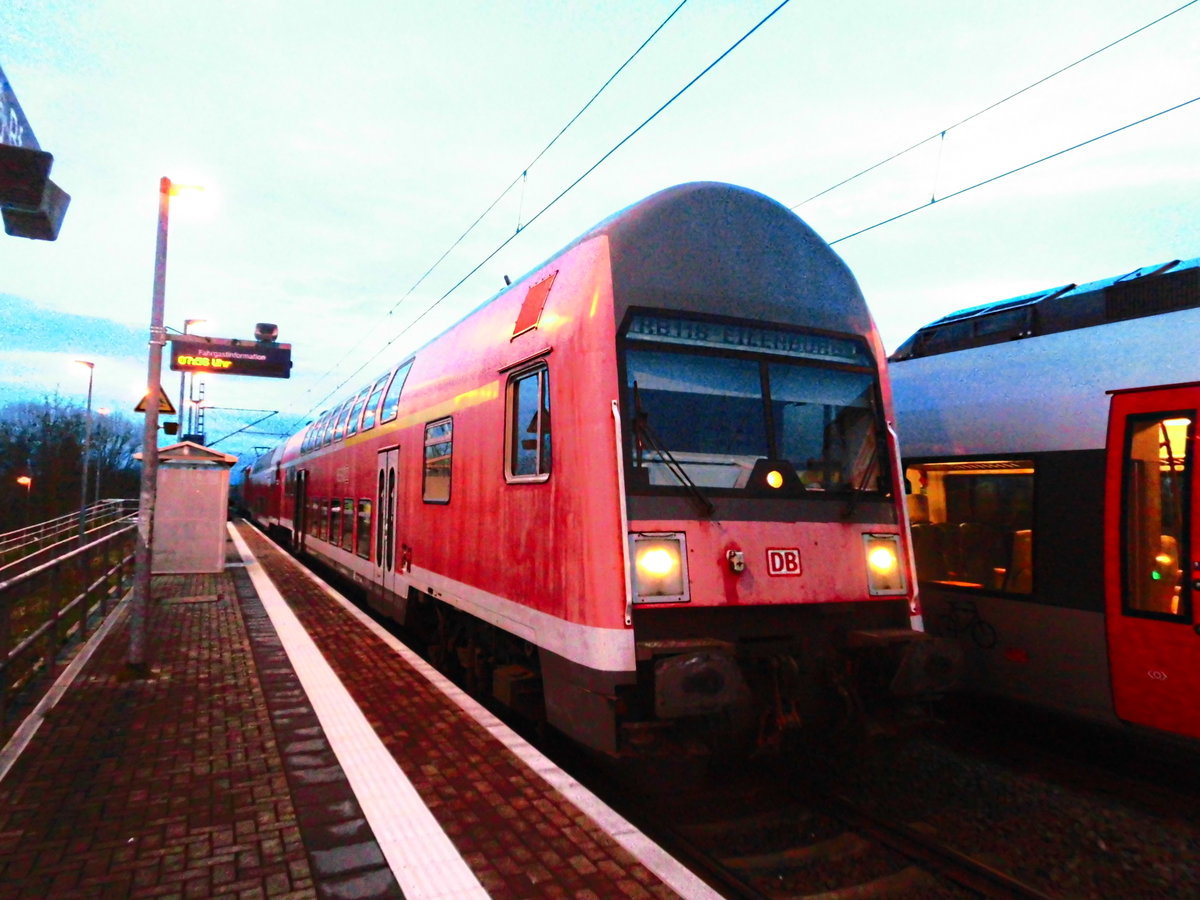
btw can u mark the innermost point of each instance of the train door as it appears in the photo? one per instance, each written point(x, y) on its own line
point(386, 501)
point(299, 510)
point(1152, 549)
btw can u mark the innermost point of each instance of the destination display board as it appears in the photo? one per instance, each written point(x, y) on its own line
point(231, 356)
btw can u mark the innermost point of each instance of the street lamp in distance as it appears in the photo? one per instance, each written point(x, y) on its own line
point(104, 411)
point(87, 451)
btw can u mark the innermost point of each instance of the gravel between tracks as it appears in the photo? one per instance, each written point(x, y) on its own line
point(1074, 838)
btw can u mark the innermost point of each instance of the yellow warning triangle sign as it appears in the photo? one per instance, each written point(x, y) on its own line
point(164, 403)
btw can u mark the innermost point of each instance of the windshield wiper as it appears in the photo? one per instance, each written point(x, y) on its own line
point(643, 435)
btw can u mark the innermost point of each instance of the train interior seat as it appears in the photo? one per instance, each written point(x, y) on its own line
point(1019, 578)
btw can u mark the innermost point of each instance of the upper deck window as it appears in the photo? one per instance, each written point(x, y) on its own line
point(339, 428)
point(391, 400)
point(368, 421)
point(356, 414)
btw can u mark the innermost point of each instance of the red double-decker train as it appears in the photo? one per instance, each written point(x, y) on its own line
point(651, 488)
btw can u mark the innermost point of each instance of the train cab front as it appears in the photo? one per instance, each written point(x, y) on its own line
point(770, 577)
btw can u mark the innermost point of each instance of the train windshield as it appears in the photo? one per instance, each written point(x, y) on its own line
point(752, 423)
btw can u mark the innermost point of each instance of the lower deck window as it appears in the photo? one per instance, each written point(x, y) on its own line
point(335, 521)
point(363, 543)
point(972, 523)
point(348, 524)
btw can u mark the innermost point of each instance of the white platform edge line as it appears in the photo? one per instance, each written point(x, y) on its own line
point(422, 857)
point(29, 727)
point(668, 869)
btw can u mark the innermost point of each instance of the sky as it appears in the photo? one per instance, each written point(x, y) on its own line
point(345, 148)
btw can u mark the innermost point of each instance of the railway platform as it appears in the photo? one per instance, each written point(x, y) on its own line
point(284, 745)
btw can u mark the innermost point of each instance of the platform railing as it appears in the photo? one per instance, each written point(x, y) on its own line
point(31, 539)
point(48, 606)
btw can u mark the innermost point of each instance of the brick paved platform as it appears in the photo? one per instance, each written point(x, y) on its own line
point(227, 774)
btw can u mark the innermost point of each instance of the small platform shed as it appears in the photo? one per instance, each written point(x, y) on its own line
point(191, 510)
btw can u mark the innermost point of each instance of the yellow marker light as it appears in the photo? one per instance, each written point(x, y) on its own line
point(659, 568)
point(775, 479)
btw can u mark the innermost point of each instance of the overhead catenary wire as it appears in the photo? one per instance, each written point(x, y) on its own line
point(556, 199)
point(1020, 168)
point(975, 115)
point(939, 134)
point(654, 115)
point(520, 178)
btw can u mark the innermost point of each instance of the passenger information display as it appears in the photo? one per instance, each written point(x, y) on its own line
point(227, 356)
point(740, 336)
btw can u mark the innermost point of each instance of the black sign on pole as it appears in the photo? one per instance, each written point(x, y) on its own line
point(33, 206)
point(230, 356)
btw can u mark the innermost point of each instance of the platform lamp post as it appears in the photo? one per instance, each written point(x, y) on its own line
point(26, 482)
point(183, 428)
point(87, 451)
point(149, 488)
point(104, 411)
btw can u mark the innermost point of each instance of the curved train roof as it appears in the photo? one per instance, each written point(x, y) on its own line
point(1147, 291)
point(718, 248)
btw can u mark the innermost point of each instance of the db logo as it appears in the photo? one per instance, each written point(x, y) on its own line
point(783, 561)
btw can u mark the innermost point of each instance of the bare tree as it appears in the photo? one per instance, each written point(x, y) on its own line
point(44, 443)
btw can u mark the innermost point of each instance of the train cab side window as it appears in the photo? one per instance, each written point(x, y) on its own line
point(1157, 483)
point(972, 523)
point(368, 421)
point(391, 400)
point(528, 426)
point(439, 444)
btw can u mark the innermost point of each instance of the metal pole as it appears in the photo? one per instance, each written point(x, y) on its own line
point(158, 337)
point(87, 450)
point(183, 426)
point(179, 412)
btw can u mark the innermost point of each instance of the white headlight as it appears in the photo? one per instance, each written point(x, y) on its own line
point(659, 568)
point(885, 574)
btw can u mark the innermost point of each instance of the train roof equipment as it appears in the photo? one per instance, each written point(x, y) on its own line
point(1147, 291)
point(1039, 367)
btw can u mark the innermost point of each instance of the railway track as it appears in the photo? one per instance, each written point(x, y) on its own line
point(766, 834)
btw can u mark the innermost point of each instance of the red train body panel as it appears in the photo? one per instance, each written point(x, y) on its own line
point(636, 479)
